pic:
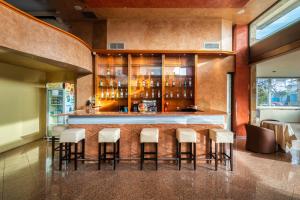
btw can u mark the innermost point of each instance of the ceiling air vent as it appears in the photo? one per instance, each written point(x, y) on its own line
point(89, 15)
point(115, 45)
point(211, 45)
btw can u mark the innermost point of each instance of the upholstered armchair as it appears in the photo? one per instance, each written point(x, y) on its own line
point(260, 140)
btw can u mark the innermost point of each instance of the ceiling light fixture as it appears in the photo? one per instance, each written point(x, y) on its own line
point(240, 12)
point(77, 8)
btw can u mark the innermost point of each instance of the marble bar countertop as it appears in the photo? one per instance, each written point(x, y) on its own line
point(202, 117)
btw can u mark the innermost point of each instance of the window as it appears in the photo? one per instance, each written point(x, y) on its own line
point(280, 16)
point(282, 92)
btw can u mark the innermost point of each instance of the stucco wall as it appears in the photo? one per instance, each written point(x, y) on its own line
point(21, 33)
point(179, 34)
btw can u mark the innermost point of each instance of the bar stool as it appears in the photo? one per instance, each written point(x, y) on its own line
point(109, 135)
point(56, 132)
point(186, 135)
point(149, 135)
point(67, 138)
point(221, 137)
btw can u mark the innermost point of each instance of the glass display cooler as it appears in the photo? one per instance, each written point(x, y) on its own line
point(60, 99)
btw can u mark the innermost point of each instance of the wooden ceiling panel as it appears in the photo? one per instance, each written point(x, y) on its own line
point(166, 3)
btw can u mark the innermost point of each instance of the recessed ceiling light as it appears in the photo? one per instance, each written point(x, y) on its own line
point(242, 11)
point(77, 7)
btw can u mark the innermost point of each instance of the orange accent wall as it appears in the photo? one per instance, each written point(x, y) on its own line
point(241, 80)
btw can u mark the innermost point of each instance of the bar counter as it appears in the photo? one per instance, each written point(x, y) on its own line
point(131, 125)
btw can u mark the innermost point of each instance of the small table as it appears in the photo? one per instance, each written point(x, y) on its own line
point(284, 133)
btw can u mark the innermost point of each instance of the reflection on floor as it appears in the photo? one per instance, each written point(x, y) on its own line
point(27, 173)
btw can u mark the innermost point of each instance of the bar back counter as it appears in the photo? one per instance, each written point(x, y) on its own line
point(131, 125)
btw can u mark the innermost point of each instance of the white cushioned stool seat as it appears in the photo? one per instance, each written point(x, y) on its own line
point(186, 135)
point(221, 136)
point(149, 135)
point(72, 135)
point(109, 135)
point(58, 130)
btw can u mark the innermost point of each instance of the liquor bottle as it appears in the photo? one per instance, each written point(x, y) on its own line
point(173, 81)
point(117, 94)
point(177, 94)
point(102, 94)
point(152, 93)
point(167, 82)
point(147, 94)
point(111, 83)
point(107, 71)
point(126, 93)
point(151, 82)
point(112, 93)
point(191, 94)
point(167, 95)
point(119, 83)
point(158, 94)
point(121, 94)
point(107, 93)
point(143, 83)
point(138, 83)
point(184, 93)
point(184, 83)
point(157, 83)
point(101, 83)
point(171, 95)
point(190, 82)
point(166, 106)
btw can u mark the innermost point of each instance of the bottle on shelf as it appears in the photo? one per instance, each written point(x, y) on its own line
point(171, 94)
point(167, 82)
point(144, 83)
point(117, 94)
point(157, 83)
point(166, 106)
point(167, 95)
point(111, 82)
point(177, 94)
point(119, 83)
point(158, 94)
point(190, 82)
point(121, 93)
point(146, 95)
point(108, 71)
point(102, 94)
point(151, 82)
point(184, 83)
point(126, 93)
point(112, 93)
point(101, 83)
point(184, 93)
point(107, 93)
point(152, 94)
point(191, 94)
point(138, 83)
point(174, 81)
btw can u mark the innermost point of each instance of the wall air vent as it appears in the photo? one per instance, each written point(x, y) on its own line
point(211, 45)
point(116, 45)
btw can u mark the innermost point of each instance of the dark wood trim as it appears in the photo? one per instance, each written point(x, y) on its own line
point(200, 52)
point(281, 42)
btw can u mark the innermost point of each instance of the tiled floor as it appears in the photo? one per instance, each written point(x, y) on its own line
point(27, 173)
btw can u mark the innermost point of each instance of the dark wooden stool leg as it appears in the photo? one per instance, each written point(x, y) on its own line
point(104, 154)
point(142, 155)
point(118, 153)
point(75, 156)
point(231, 157)
point(216, 156)
point(210, 151)
point(69, 152)
point(115, 155)
point(191, 152)
point(99, 156)
point(156, 155)
point(60, 155)
point(221, 152)
point(53, 146)
point(83, 150)
point(195, 157)
point(179, 155)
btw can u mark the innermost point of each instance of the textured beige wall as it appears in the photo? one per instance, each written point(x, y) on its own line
point(162, 34)
point(23, 34)
point(22, 105)
point(212, 82)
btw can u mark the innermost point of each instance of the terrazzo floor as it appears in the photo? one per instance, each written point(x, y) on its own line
point(28, 173)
